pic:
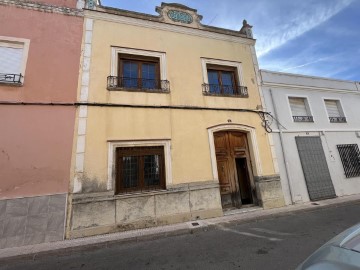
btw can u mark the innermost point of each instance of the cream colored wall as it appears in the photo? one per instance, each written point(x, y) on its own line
point(187, 129)
point(183, 56)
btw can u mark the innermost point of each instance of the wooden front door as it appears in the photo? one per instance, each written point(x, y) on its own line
point(233, 163)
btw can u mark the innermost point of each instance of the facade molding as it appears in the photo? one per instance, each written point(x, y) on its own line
point(96, 15)
point(113, 144)
point(254, 147)
point(315, 130)
point(43, 7)
point(305, 76)
point(303, 87)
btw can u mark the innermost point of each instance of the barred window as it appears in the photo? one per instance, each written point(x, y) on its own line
point(350, 158)
point(139, 169)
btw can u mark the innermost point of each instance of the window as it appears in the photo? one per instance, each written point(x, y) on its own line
point(300, 109)
point(139, 168)
point(222, 78)
point(334, 110)
point(13, 55)
point(350, 158)
point(138, 70)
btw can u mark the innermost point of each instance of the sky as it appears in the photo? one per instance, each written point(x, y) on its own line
point(310, 37)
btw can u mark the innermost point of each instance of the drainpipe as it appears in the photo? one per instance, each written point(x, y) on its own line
point(282, 148)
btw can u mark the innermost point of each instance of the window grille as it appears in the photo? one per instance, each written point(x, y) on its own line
point(350, 158)
point(140, 169)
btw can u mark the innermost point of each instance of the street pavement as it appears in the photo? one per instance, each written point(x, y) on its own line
point(278, 242)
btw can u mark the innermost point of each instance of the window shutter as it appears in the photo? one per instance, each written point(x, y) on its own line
point(298, 107)
point(10, 59)
point(332, 108)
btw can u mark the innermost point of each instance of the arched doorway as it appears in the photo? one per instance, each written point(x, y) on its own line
point(237, 186)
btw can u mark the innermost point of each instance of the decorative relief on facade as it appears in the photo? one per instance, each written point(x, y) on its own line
point(180, 15)
point(91, 4)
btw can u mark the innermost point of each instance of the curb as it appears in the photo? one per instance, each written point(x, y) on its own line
point(183, 229)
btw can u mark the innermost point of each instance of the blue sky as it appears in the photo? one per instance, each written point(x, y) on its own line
point(311, 37)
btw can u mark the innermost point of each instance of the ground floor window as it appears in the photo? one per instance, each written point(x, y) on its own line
point(350, 158)
point(140, 169)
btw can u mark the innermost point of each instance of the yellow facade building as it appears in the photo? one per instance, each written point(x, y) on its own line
point(170, 125)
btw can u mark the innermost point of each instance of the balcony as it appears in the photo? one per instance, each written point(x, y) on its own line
point(11, 79)
point(115, 83)
point(225, 90)
point(337, 119)
point(303, 119)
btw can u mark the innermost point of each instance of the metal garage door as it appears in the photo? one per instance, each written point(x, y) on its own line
point(315, 168)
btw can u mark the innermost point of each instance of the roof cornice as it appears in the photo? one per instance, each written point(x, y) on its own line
point(151, 21)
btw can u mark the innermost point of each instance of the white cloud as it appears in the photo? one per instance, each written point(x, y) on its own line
point(306, 19)
point(307, 63)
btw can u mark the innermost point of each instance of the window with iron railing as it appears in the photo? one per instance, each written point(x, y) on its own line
point(138, 73)
point(11, 61)
point(334, 110)
point(300, 109)
point(223, 81)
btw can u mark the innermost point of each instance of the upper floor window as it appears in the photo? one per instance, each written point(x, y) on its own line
point(334, 110)
point(223, 78)
point(300, 109)
point(13, 56)
point(138, 70)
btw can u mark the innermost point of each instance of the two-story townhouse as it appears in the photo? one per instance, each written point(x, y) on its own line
point(317, 134)
point(171, 127)
point(40, 48)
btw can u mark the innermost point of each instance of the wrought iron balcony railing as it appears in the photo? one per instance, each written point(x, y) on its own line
point(337, 119)
point(303, 119)
point(11, 78)
point(225, 90)
point(137, 84)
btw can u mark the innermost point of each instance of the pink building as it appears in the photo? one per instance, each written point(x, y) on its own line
point(40, 44)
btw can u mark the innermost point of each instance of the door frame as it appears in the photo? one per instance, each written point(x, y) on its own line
point(252, 142)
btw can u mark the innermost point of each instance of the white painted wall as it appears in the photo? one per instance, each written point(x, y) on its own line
point(283, 85)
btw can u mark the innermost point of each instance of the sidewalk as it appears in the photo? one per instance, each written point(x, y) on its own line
point(230, 218)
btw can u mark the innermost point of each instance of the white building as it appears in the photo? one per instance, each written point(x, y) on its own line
point(316, 135)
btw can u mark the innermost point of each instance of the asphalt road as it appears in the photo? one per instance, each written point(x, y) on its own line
point(279, 243)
